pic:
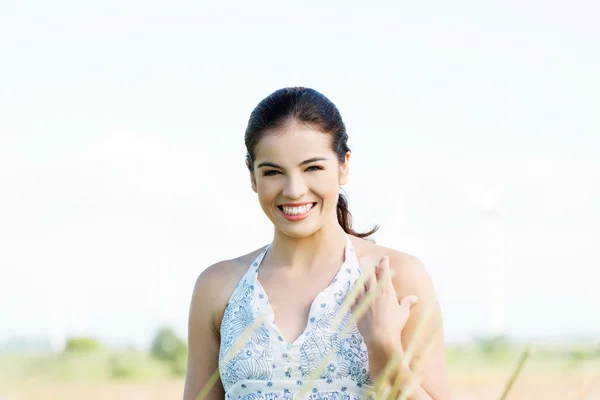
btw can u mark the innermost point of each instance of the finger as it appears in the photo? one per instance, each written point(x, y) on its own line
point(384, 274)
point(358, 294)
point(371, 280)
point(409, 301)
point(360, 297)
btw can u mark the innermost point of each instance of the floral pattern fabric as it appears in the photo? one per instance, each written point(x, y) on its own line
point(263, 366)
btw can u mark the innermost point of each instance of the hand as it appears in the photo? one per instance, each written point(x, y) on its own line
point(381, 325)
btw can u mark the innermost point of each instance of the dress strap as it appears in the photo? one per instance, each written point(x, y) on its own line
point(258, 260)
point(351, 257)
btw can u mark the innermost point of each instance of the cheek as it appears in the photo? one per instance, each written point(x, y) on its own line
point(267, 189)
point(327, 187)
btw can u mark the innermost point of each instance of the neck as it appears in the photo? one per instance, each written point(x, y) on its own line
point(324, 247)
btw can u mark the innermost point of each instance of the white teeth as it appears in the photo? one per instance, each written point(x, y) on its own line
point(297, 210)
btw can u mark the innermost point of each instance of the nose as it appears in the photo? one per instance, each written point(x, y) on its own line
point(295, 187)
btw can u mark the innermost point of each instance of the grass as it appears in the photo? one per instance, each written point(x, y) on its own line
point(391, 386)
point(474, 376)
point(97, 366)
point(491, 370)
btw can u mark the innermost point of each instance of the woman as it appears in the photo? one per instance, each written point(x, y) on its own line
point(270, 319)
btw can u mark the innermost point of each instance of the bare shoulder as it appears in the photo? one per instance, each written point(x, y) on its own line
point(225, 273)
point(217, 282)
point(424, 329)
point(212, 291)
point(410, 276)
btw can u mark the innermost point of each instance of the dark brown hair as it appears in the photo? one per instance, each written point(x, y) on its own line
point(310, 107)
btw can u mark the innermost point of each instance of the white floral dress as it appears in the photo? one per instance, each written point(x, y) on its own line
point(266, 367)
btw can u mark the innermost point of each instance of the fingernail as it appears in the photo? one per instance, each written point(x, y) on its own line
point(414, 300)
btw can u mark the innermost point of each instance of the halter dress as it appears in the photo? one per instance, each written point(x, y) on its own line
point(264, 366)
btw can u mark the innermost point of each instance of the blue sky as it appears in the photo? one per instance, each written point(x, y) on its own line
point(122, 159)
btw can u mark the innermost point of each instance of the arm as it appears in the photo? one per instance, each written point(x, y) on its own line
point(411, 278)
point(390, 327)
point(203, 339)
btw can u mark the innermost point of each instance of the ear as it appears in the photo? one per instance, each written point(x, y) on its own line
point(252, 177)
point(344, 169)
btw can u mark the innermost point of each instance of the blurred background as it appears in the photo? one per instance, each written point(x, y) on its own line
point(475, 136)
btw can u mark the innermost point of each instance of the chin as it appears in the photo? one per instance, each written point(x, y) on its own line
point(298, 232)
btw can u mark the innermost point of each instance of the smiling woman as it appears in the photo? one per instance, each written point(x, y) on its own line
point(293, 211)
point(275, 323)
point(285, 181)
point(325, 140)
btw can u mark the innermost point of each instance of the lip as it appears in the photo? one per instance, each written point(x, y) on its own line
point(296, 204)
point(298, 217)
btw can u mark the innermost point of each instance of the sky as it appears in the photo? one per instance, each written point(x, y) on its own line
point(122, 169)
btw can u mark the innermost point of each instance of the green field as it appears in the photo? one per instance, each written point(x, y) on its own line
point(475, 374)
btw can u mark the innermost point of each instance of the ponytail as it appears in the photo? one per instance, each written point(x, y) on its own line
point(345, 219)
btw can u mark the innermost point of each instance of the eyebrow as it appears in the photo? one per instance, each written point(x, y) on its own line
point(309, 161)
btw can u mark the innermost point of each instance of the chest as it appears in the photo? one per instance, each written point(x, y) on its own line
point(292, 300)
point(328, 339)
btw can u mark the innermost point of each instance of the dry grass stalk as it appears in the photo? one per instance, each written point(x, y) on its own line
point(524, 356)
point(414, 377)
point(381, 389)
point(408, 355)
point(585, 387)
point(236, 347)
point(356, 315)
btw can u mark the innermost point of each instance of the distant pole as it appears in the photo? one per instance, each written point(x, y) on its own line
point(80, 312)
point(488, 200)
point(167, 294)
point(496, 284)
point(58, 337)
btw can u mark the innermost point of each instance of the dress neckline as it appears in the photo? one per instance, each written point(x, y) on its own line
point(320, 303)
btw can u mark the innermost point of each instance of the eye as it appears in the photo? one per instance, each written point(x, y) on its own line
point(270, 172)
point(314, 168)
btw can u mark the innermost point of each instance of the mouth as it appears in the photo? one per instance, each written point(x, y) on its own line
point(296, 212)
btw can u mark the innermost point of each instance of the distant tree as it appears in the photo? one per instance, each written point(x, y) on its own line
point(493, 345)
point(167, 346)
point(81, 344)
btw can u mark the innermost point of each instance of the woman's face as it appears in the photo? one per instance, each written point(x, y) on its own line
point(297, 177)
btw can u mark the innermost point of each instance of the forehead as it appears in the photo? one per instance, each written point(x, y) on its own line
point(293, 143)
